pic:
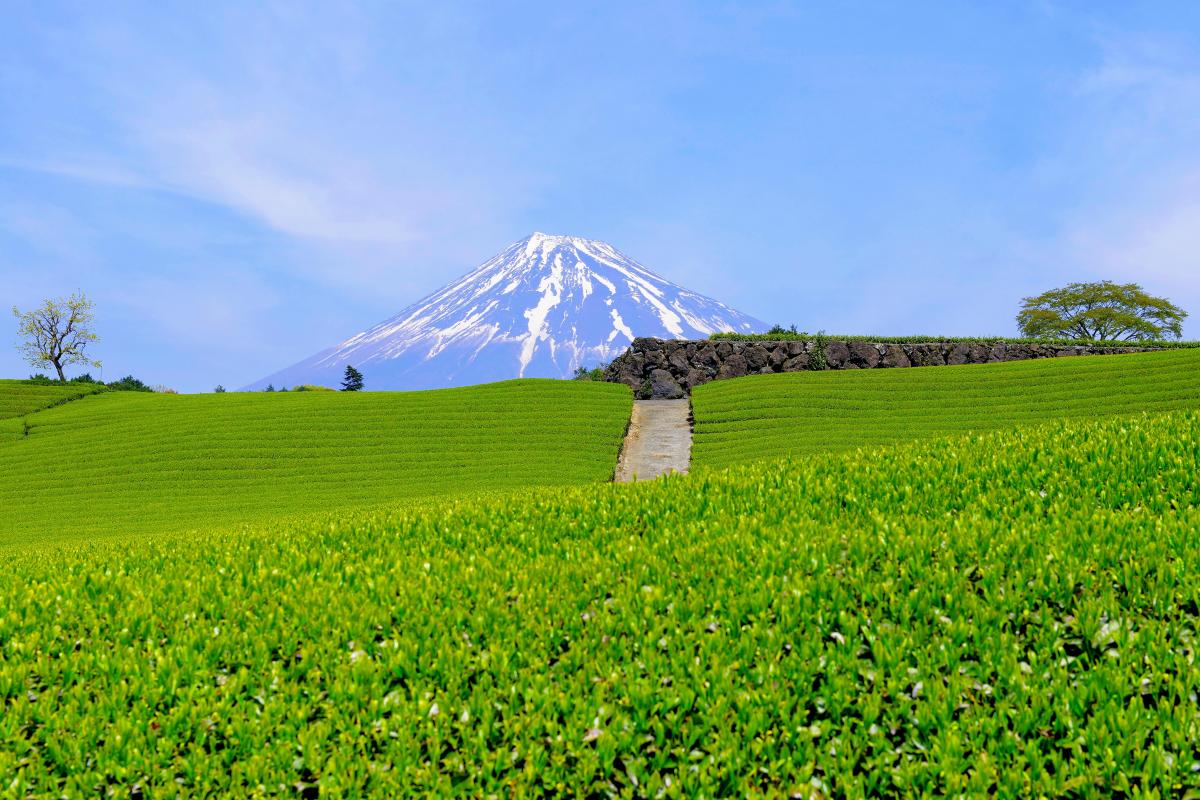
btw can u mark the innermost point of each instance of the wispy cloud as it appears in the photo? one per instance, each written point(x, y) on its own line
point(1156, 240)
point(290, 174)
point(307, 144)
point(221, 310)
point(1144, 223)
point(95, 172)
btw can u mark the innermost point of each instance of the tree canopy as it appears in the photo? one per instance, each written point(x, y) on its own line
point(57, 333)
point(1102, 311)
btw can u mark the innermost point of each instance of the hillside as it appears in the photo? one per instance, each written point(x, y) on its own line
point(126, 461)
point(18, 398)
point(770, 416)
point(1010, 615)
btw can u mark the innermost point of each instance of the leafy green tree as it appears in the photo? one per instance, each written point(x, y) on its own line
point(1103, 311)
point(57, 333)
point(352, 381)
point(219, 390)
point(129, 384)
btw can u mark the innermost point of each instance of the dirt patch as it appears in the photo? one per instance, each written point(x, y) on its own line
point(659, 440)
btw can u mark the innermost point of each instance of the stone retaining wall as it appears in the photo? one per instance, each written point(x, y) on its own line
point(670, 368)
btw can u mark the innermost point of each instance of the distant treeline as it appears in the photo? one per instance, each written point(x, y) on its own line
point(126, 384)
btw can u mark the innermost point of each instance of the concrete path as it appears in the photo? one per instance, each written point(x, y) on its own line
point(659, 440)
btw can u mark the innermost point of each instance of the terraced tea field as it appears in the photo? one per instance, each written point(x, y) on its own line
point(770, 416)
point(18, 398)
point(436, 594)
point(129, 461)
point(1008, 615)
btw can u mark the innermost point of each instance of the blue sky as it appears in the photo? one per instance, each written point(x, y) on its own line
point(238, 187)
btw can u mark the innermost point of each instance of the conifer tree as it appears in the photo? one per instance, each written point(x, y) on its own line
point(352, 381)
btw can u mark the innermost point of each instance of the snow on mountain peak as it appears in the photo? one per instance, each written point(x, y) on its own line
point(542, 307)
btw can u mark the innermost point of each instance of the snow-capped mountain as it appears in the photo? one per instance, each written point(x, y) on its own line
point(541, 308)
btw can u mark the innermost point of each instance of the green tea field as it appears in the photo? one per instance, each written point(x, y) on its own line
point(490, 406)
point(18, 398)
point(440, 594)
point(770, 416)
point(1007, 615)
point(123, 462)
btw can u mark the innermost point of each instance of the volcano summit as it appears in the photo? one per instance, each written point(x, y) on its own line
point(539, 309)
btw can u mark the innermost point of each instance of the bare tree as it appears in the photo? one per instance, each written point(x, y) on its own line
point(57, 333)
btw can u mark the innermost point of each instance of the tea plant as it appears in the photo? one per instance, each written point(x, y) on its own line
point(18, 398)
point(124, 462)
point(769, 416)
point(1007, 615)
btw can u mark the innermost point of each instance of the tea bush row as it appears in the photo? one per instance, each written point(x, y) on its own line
point(126, 462)
point(769, 416)
point(1010, 615)
point(18, 398)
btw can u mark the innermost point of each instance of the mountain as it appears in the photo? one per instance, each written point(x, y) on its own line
point(541, 308)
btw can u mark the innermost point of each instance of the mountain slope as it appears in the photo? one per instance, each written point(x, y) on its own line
point(541, 308)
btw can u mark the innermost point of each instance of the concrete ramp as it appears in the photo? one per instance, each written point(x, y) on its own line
point(659, 440)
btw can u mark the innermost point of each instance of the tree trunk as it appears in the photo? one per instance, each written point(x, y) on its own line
point(61, 376)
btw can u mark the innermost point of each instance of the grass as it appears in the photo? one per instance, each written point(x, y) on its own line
point(18, 398)
point(1011, 615)
point(770, 416)
point(130, 461)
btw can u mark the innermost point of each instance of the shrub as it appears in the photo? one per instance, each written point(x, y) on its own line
point(596, 373)
point(311, 387)
point(817, 360)
point(129, 384)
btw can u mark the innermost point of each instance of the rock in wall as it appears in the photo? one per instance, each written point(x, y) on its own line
point(670, 368)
